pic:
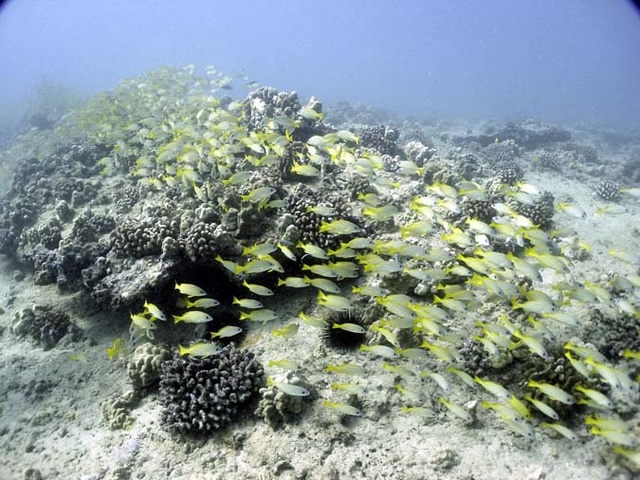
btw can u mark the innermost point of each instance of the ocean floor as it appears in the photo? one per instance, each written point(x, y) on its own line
point(53, 426)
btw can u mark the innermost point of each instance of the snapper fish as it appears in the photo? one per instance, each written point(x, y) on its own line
point(193, 316)
point(288, 388)
point(287, 331)
point(571, 209)
point(190, 290)
point(339, 227)
point(202, 303)
point(343, 408)
point(200, 349)
point(226, 332)
point(116, 348)
point(262, 315)
point(259, 194)
point(154, 311)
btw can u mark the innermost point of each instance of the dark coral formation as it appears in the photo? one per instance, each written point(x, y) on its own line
point(419, 152)
point(266, 103)
point(509, 174)
point(500, 154)
point(44, 324)
point(541, 213)
point(306, 222)
point(548, 161)
point(201, 241)
point(614, 333)
point(347, 113)
point(529, 135)
point(607, 190)
point(478, 209)
point(37, 184)
point(35, 214)
point(581, 153)
point(202, 395)
point(381, 138)
point(139, 237)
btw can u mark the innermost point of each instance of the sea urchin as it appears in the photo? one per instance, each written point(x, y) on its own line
point(344, 330)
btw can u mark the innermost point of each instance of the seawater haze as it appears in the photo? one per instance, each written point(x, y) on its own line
point(557, 61)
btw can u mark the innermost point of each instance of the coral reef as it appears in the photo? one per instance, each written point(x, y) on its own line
point(276, 406)
point(614, 333)
point(46, 325)
point(144, 365)
point(501, 154)
point(540, 213)
point(607, 190)
point(307, 223)
point(380, 138)
point(548, 161)
point(139, 237)
point(509, 174)
point(116, 410)
point(418, 152)
point(266, 103)
point(581, 153)
point(201, 395)
point(408, 232)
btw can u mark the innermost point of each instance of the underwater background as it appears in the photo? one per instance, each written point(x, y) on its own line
point(575, 60)
point(319, 240)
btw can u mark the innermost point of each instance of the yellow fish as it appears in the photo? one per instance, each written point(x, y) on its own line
point(343, 408)
point(339, 227)
point(116, 348)
point(190, 290)
point(287, 331)
point(193, 316)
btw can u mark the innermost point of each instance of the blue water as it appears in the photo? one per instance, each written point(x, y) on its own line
point(555, 60)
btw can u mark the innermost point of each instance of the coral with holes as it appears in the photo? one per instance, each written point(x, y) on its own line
point(308, 223)
point(478, 209)
point(509, 173)
point(46, 325)
point(501, 154)
point(615, 333)
point(607, 190)
point(548, 161)
point(266, 103)
point(381, 138)
point(139, 237)
point(541, 213)
point(88, 226)
point(418, 152)
point(201, 241)
point(202, 395)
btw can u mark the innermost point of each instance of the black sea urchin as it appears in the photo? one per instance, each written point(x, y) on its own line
point(344, 338)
